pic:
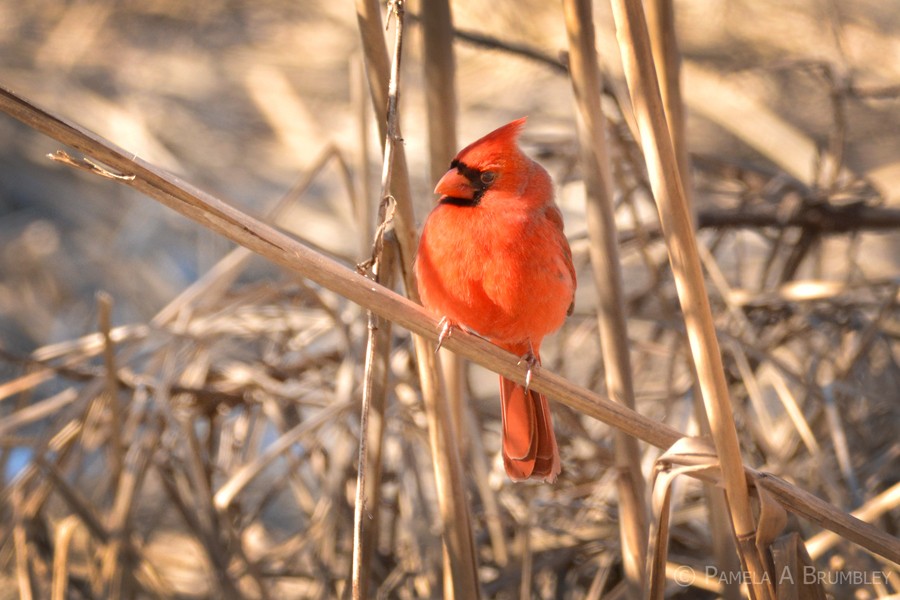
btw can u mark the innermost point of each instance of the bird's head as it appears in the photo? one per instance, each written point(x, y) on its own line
point(492, 164)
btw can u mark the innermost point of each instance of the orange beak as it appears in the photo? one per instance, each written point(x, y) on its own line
point(455, 185)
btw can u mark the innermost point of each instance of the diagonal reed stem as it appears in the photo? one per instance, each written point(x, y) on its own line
point(283, 250)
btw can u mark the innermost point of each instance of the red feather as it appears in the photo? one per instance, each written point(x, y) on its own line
point(493, 257)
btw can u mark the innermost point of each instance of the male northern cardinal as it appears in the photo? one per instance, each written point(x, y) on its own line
point(493, 258)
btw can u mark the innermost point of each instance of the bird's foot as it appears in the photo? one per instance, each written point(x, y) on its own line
point(446, 326)
point(531, 362)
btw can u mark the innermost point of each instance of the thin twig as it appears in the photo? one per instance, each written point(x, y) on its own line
point(492, 43)
point(379, 332)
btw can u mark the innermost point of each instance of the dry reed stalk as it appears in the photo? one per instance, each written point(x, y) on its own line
point(688, 455)
point(667, 57)
point(116, 447)
point(38, 411)
point(378, 69)
point(369, 466)
point(118, 557)
point(598, 583)
point(440, 106)
point(20, 543)
point(493, 518)
point(440, 84)
point(378, 348)
point(63, 542)
point(441, 109)
point(283, 250)
point(526, 528)
point(727, 560)
point(61, 445)
point(675, 220)
point(363, 190)
point(459, 546)
point(371, 437)
point(584, 71)
point(887, 500)
point(459, 543)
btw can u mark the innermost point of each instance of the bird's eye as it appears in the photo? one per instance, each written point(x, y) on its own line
point(488, 177)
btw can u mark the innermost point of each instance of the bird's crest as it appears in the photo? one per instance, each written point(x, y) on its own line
point(503, 141)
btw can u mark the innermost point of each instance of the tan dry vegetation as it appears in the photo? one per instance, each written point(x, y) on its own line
point(226, 467)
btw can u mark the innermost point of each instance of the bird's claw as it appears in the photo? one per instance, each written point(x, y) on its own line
point(530, 361)
point(446, 330)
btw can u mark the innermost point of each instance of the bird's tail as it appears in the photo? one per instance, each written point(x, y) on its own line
point(529, 444)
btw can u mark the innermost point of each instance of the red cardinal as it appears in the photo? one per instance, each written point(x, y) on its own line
point(493, 258)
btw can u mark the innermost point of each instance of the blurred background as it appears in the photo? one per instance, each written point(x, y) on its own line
point(241, 99)
point(790, 105)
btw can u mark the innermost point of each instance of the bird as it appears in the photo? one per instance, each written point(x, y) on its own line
point(493, 259)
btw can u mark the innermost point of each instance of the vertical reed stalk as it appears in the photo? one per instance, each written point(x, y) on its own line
point(585, 74)
point(441, 111)
point(667, 57)
point(461, 578)
point(116, 446)
point(363, 186)
point(371, 434)
point(366, 516)
point(368, 13)
point(678, 232)
point(378, 348)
